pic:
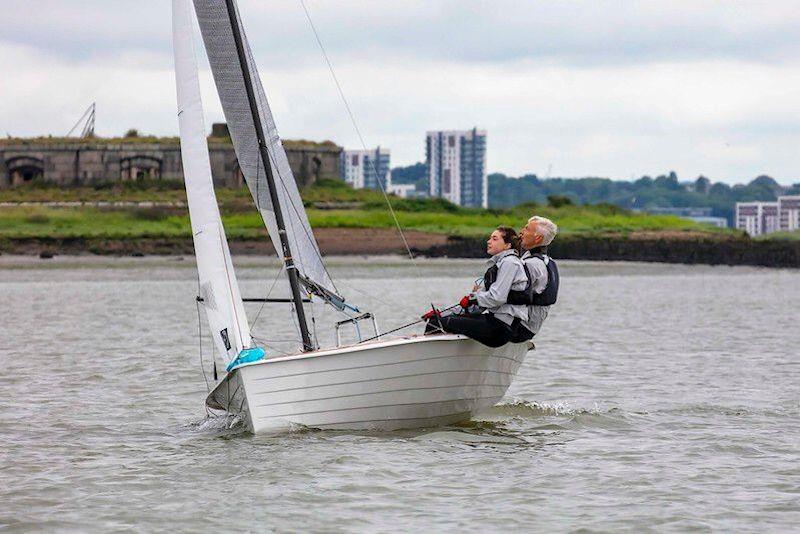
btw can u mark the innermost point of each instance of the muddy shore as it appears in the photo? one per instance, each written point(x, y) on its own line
point(674, 247)
point(332, 241)
point(666, 247)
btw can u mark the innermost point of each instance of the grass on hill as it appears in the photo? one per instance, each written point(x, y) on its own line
point(243, 222)
point(781, 236)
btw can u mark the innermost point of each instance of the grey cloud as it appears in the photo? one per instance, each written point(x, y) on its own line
point(87, 29)
point(670, 87)
point(581, 33)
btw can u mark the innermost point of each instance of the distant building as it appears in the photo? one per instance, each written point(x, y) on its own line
point(700, 215)
point(363, 168)
point(91, 161)
point(403, 190)
point(757, 218)
point(682, 212)
point(719, 222)
point(456, 162)
point(789, 213)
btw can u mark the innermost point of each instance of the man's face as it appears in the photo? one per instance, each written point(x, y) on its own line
point(529, 237)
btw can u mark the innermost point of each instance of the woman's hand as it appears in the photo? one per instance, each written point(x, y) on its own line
point(467, 301)
point(475, 288)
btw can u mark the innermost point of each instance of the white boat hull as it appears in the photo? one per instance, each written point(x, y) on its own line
point(413, 382)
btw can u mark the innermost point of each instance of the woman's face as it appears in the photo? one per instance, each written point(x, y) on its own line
point(495, 243)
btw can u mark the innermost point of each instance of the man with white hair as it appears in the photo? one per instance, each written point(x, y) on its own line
point(542, 271)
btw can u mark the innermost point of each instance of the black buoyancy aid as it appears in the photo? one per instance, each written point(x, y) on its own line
point(490, 276)
point(528, 296)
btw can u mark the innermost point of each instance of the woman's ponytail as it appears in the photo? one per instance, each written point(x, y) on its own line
point(510, 236)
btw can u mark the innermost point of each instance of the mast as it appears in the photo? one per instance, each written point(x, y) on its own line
point(291, 270)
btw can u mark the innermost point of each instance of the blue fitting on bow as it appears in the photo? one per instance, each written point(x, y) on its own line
point(246, 356)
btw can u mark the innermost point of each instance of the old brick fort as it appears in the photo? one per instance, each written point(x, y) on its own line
point(93, 161)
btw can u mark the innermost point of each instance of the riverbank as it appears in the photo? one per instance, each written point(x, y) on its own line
point(133, 220)
point(332, 241)
point(665, 247)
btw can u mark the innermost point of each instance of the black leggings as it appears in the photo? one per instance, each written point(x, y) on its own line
point(484, 328)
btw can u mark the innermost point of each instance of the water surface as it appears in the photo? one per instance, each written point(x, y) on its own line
point(659, 396)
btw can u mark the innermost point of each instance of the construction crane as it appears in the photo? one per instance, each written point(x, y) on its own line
point(87, 122)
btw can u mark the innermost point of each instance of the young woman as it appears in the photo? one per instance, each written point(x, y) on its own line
point(486, 315)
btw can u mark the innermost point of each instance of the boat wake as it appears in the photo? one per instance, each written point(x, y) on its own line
point(510, 422)
point(532, 410)
point(219, 424)
point(531, 416)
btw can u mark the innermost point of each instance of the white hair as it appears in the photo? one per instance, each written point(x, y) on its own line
point(545, 228)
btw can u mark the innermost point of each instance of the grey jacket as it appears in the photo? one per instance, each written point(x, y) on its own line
point(536, 314)
point(510, 275)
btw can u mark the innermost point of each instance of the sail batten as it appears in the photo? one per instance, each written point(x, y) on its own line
point(215, 26)
point(219, 289)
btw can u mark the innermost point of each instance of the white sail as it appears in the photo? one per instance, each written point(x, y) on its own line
point(218, 286)
point(220, 46)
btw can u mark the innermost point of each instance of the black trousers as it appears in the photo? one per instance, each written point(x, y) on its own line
point(520, 332)
point(483, 328)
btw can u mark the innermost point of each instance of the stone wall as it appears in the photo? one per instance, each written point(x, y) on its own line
point(83, 162)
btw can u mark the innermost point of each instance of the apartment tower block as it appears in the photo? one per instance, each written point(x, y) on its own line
point(363, 168)
point(456, 162)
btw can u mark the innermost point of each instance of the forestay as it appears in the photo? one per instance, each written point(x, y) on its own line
point(215, 26)
point(218, 286)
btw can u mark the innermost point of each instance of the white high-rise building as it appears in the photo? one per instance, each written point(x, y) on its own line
point(361, 168)
point(789, 213)
point(758, 218)
point(456, 161)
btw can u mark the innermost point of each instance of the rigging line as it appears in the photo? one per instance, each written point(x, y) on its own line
point(277, 340)
point(360, 137)
point(377, 299)
point(274, 348)
point(393, 330)
point(420, 320)
point(269, 292)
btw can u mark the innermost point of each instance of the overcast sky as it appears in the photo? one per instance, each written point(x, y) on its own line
point(617, 89)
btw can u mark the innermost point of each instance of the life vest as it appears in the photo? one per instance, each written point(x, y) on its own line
point(490, 276)
point(528, 296)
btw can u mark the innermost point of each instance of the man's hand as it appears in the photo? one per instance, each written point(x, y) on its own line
point(430, 314)
point(467, 301)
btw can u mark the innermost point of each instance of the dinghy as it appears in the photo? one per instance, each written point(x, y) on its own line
point(376, 383)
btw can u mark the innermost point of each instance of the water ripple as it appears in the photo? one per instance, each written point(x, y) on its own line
point(675, 408)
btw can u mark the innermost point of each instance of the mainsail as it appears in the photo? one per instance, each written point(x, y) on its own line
point(218, 287)
point(215, 25)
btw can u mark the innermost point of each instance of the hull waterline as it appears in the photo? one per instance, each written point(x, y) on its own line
point(413, 382)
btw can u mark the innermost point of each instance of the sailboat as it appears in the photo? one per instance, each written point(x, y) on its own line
point(377, 383)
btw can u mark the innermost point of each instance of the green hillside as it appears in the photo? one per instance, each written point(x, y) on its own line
point(331, 204)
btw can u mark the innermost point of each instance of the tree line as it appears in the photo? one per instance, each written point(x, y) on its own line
point(663, 191)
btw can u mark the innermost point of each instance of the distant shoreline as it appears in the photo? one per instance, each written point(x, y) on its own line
point(657, 247)
point(662, 247)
